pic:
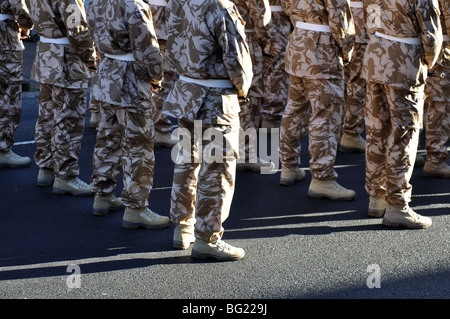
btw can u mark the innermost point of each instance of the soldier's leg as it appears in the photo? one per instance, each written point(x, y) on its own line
point(294, 127)
point(184, 186)
point(10, 110)
point(327, 99)
point(43, 131)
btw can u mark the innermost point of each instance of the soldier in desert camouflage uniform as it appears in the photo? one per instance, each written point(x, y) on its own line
point(163, 125)
point(353, 123)
point(14, 17)
point(276, 79)
point(61, 64)
point(130, 70)
point(322, 40)
point(207, 48)
point(437, 115)
point(405, 40)
point(258, 29)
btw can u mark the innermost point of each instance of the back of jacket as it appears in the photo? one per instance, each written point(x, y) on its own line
point(62, 64)
point(124, 27)
point(9, 28)
point(391, 61)
point(314, 54)
point(444, 60)
point(206, 40)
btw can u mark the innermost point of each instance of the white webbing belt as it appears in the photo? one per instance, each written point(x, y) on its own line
point(276, 8)
point(122, 57)
point(215, 83)
point(312, 26)
point(54, 40)
point(412, 41)
point(4, 17)
point(446, 37)
point(161, 3)
point(356, 4)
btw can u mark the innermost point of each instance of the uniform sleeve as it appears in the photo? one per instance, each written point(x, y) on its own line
point(236, 53)
point(431, 30)
point(21, 14)
point(144, 43)
point(261, 16)
point(446, 12)
point(74, 18)
point(342, 26)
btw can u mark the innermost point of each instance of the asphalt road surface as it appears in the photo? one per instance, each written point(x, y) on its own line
point(52, 247)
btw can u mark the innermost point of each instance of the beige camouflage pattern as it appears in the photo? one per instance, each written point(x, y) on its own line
point(124, 83)
point(319, 55)
point(395, 74)
point(11, 69)
point(204, 189)
point(316, 94)
point(162, 122)
point(276, 79)
point(125, 132)
point(437, 90)
point(58, 64)
point(353, 122)
point(59, 129)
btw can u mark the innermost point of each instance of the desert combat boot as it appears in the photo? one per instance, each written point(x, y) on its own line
point(291, 175)
point(103, 204)
point(135, 218)
point(183, 237)
point(404, 216)
point(352, 143)
point(73, 186)
point(46, 177)
point(218, 250)
point(329, 189)
point(12, 160)
point(441, 170)
point(377, 206)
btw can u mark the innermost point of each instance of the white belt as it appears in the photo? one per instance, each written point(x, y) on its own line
point(122, 57)
point(356, 4)
point(4, 17)
point(412, 41)
point(276, 8)
point(249, 30)
point(161, 3)
point(215, 83)
point(312, 26)
point(54, 40)
point(446, 37)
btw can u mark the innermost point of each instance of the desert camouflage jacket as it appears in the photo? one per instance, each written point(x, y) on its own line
point(159, 17)
point(444, 60)
point(9, 28)
point(393, 62)
point(206, 40)
point(62, 65)
point(358, 17)
point(314, 54)
point(120, 28)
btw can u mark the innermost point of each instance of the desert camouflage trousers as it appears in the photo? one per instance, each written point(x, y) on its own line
point(314, 107)
point(437, 116)
point(393, 122)
point(355, 93)
point(10, 111)
point(59, 129)
point(124, 142)
point(202, 190)
point(249, 120)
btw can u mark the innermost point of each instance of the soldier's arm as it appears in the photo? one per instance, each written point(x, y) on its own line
point(236, 53)
point(144, 44)
point(446, 12)
point(262, 19)
point(342, 25)
point(21, 14)
point(431, 31)
point(74, 18)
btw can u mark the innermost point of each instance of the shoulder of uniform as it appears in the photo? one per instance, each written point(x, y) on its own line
point(225, 4)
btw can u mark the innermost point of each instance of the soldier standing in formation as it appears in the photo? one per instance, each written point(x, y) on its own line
point(353, 122)
point(63, 54)
point(437, 110)
point(321, 42)
point(206, 46)
point(14, 22)
point(405, 41)
point(130, 70)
